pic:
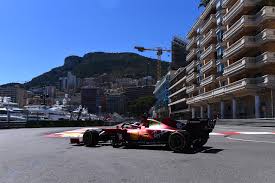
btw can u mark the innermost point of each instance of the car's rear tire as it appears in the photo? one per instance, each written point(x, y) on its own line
point(179, 141)
point(90, 138)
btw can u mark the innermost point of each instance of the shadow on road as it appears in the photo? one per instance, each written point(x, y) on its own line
point(206, 149)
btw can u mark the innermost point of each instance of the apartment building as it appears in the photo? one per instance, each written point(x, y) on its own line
point(231, 70)
point(115, 103)
point(179, 53)
point(93, 99)
point(177, 84)
point(178, 108)
point(161, 94)
point(16, 93)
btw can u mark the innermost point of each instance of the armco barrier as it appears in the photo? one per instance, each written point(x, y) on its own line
point(49, 124)
point(46, 124)
point(5, 125)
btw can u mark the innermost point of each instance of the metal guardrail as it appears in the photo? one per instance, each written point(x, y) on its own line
point(41, 124)
point(5, 125)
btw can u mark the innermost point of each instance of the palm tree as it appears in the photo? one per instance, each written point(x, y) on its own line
point(204, 3)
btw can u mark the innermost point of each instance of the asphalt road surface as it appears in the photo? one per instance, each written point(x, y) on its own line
point(27, 156)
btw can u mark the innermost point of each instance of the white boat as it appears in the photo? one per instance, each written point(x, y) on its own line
point(8, 108)
point(83, 114)
point(57, 113)
point(14, 116)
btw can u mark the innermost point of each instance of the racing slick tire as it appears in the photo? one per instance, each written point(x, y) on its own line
point(117, 140)
point(179, 141)
point(90, 138)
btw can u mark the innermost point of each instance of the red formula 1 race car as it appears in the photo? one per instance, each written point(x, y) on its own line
point(179, 136)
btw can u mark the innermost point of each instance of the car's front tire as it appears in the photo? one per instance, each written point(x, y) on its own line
point(90, 138)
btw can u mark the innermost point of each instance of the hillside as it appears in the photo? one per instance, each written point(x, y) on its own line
point(92, 64)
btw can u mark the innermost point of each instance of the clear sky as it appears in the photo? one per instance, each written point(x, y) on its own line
point(36, 35)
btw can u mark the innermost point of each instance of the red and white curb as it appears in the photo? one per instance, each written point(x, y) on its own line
point(79, 133)
point(69, 134)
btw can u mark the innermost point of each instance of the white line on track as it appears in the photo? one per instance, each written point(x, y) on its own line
point(245, 140)
point(216, 134)
point(256, 133)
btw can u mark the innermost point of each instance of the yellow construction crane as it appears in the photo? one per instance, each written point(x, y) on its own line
point(159, 52)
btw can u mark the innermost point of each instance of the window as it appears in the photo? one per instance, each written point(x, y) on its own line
point(220, 69)
point(198, 31)
point(198, 43)
point(219, 20)
point(219, 36)
point(198, 80)
point(219, 5)
point(220, 53)
point(198, 67)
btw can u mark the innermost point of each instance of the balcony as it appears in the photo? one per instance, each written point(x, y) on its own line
point(191, 77)
point(208, 51)
point(244, 42)
point(225, 2)
point(177, 92)
point(178, 82)
point(246, 83)
point(205, 13)
point(190, 66)
point(208, 37)
point(268, 81)
point(190, 89)
point(244, 22)
point(192, 42)
point(179, 74)
point(177, 102)
point(250, 62)
point(208, 80)
point(266, 13)
point(208, 65)
point(266, 58)
point(237, 8)
point(211, 21)
point(191, 54)
point(208, 8)
point(265, 36)
point(247, 62)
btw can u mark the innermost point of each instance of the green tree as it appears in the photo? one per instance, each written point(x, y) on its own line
point(141, 105)
point(204, 3)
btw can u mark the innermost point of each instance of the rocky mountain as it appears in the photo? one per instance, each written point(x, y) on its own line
point(93, 64)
